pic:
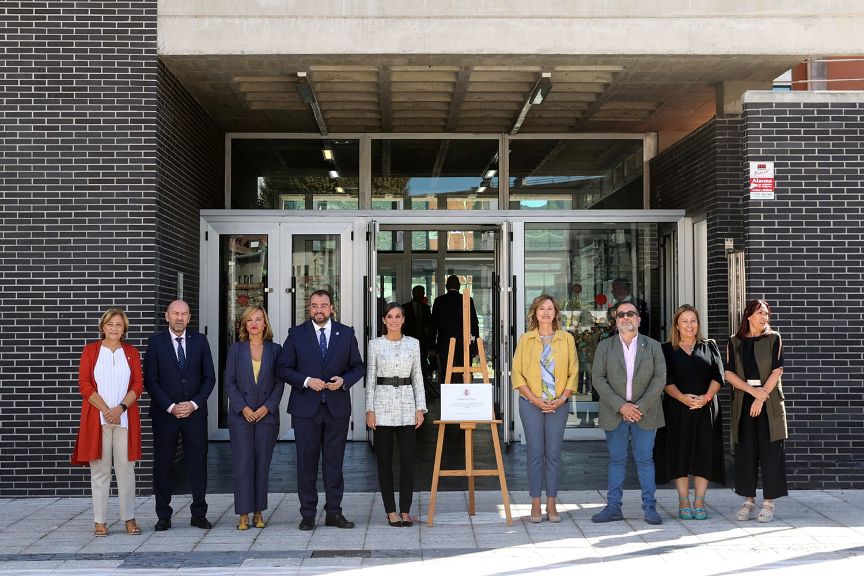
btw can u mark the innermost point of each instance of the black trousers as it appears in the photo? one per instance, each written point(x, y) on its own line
point(165, 433)
point(754, 453)
point(407, 437)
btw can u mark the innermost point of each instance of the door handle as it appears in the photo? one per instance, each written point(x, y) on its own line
point(269, 290)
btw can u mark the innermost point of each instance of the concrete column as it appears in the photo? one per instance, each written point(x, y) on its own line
point(729, 95)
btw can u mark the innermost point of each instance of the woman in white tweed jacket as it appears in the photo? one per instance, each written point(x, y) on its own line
point(395, 404)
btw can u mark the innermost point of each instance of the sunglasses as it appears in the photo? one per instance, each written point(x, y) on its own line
point(628, 314)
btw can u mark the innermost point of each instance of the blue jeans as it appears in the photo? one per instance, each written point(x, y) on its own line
point(643, 448)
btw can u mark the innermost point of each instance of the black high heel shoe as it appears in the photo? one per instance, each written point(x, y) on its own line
point(395, 524)
point(407, 523)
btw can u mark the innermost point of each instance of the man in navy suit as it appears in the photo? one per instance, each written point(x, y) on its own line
point(179, 376)
point(320, 360)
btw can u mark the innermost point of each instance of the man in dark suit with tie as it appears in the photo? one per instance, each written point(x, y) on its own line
point(179, 376)
point(447, 316)
point(320, 360)
point(419, 325)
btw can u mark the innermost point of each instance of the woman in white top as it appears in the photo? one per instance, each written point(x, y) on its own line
point(395, 404)
point(111, 382)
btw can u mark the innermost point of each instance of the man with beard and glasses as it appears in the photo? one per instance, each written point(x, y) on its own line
point(629, 374)
point(320, 360)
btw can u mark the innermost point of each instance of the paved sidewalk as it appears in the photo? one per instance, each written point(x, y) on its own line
point(815, 532)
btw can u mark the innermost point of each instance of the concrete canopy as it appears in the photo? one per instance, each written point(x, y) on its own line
point(444, 66)
point(468, 94)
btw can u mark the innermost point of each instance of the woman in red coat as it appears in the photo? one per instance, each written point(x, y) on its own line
point(110, 381)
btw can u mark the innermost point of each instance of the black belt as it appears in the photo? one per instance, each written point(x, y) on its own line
point(394, 381)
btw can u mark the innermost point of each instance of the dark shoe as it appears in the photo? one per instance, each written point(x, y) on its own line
point(162, 525)
point(338, 520)
point(201, 522)
point(307, 524)
point(393, 523)
point(406, 520)
point(608, 514)
point(652, 517)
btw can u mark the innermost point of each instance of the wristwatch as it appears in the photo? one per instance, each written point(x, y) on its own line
point(125, 408)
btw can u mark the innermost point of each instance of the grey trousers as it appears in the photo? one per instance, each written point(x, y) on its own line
point(544, 435)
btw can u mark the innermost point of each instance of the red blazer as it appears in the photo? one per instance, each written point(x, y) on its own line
point(88, 445)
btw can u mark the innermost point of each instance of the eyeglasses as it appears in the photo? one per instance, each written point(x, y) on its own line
point(628, 314)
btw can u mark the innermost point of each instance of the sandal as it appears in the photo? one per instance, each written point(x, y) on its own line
point(244, 522)
point(699, 512)
point(684, 512)
point(744, 512)
point(132, 527)
point(258, 520)
point(766, 514)
point(100, 530)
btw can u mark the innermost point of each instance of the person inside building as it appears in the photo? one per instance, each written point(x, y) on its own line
point(622, 292)
point(254, 392)
point(754, 366)
point(419, 325)
point(447, 317)
point(395, 405)
point(545, 372)
point(111, 382)
point(691, 442)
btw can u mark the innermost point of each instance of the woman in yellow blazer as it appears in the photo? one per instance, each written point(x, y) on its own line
point(545, 372)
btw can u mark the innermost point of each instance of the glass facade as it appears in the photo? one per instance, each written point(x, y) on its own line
point(560, 174)
point(288, 174)
point(589, 269)
point(434, 174)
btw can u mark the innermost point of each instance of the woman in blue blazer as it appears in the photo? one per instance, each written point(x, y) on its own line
point(254, 392)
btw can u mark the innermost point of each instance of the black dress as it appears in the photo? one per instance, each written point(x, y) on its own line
point(692, 440)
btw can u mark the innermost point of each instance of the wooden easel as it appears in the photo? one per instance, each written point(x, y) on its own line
point(468, 426)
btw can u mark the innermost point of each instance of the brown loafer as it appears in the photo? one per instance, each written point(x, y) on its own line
point(100, 530)
point(132, 527)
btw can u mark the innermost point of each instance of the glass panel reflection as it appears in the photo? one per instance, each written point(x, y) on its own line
point(589, 269)
point(434, 174)
point(315, 260)
point(243, 269)
point(295, 174)
point(575, 174)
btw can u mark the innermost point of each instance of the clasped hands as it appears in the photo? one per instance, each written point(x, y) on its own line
point(318, 385)
point(760, 395)
point(112, 415)
point(630, 412)
point(549, 406)
point(255, 415)
point(694, 401)
point(183, 409)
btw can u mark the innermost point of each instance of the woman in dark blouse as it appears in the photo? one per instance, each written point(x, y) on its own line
point(691, 443)
point(754, 365)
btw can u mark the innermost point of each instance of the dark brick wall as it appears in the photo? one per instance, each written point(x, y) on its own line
point(191, 177)
point(78, 172)
point(702, 174)
point(105, 161)
point(805, 255)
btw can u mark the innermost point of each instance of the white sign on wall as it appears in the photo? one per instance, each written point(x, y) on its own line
point(761, 180)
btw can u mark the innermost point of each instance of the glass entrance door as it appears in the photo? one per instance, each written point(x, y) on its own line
point(276, 265)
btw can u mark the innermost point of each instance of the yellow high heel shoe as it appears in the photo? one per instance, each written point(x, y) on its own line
point(258, 520)
point(244, 522)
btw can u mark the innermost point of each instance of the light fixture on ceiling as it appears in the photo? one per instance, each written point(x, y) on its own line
point(490, 174)
point(327, 152)
point(307, 96)
point(340, 190)
point(334, 173)
point(481, 189)
point(538, 94)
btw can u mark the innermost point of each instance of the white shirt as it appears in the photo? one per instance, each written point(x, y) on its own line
point(630, 363)
point(327, 327)
point(177, 355)
point(112, 374)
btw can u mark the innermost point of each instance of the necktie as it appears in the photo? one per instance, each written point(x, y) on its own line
point(322, 343)
point(181, 354)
